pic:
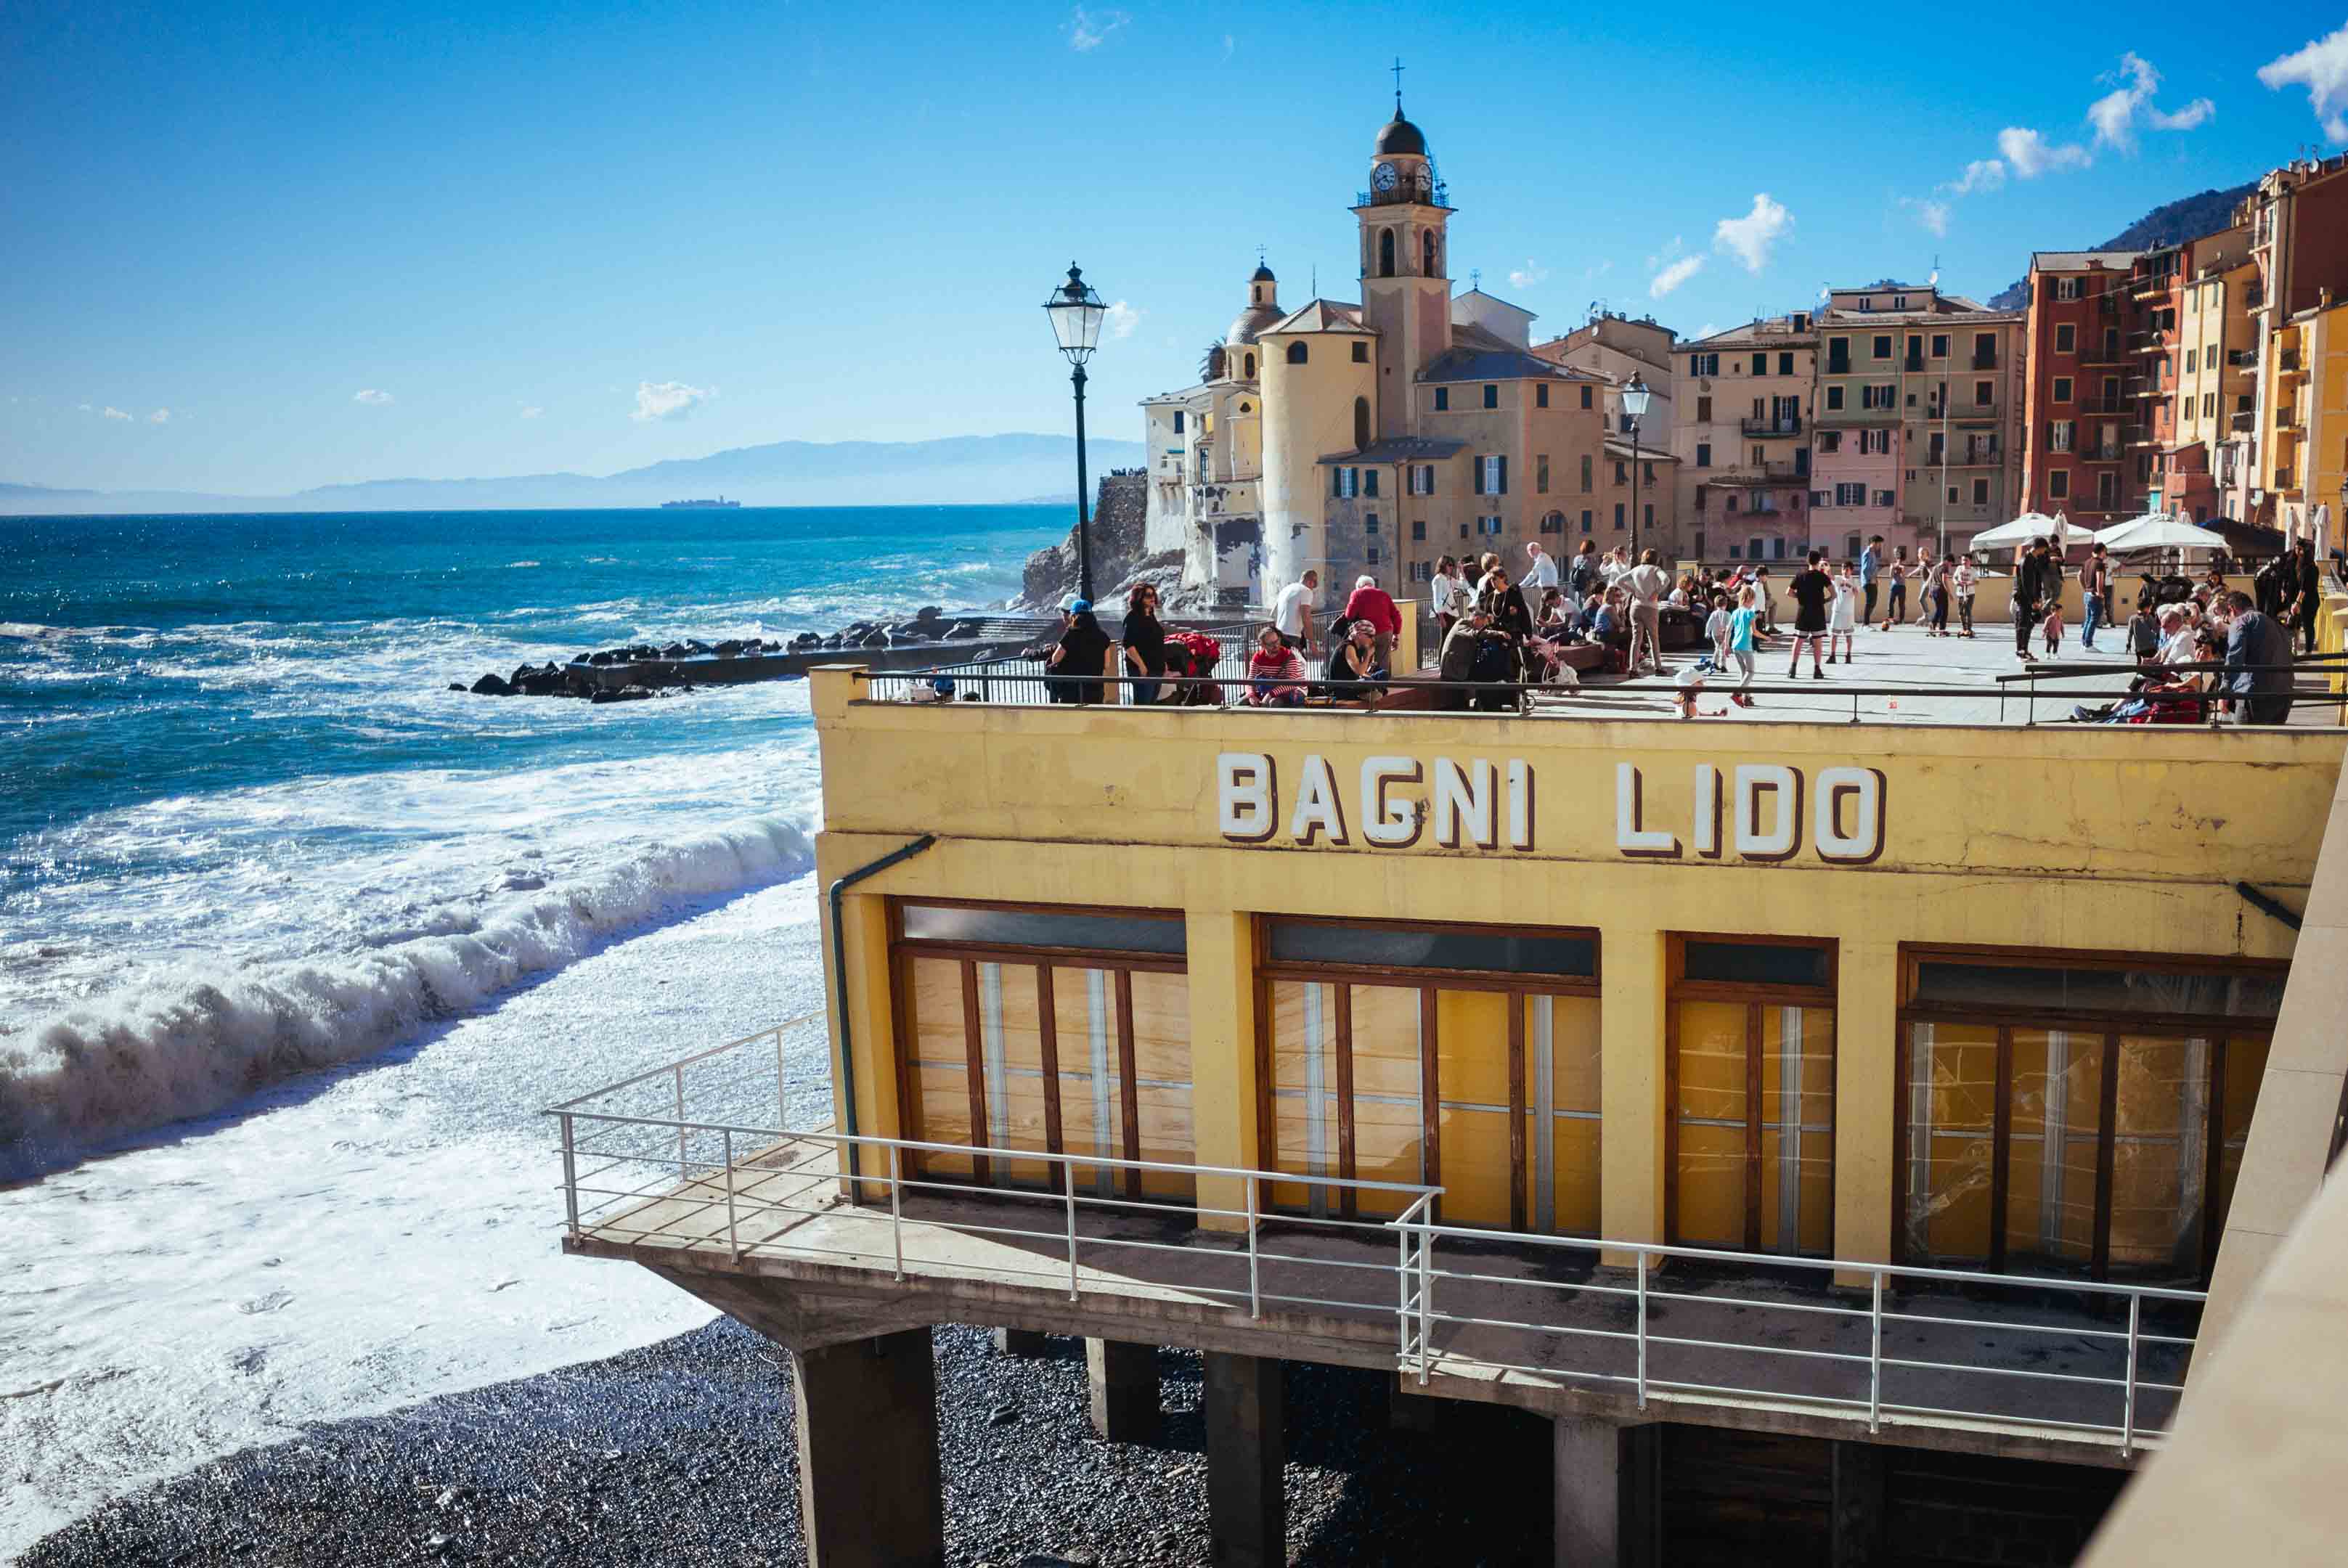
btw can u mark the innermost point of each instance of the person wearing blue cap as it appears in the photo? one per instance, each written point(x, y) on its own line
point(1081, 660)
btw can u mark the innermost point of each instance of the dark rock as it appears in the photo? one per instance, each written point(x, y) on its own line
point(876, 640)
point(675, 651)
point(929, 612)
point(625, 695)
point(455, 685)
point(729, 649)
point(491, 686)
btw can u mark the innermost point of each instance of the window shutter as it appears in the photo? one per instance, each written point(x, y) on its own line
point(1480, 476)
point(1501, 466)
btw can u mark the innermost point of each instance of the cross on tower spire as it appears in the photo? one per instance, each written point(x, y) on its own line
point(1397, 68)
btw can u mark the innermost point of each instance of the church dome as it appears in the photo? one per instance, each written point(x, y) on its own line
point(1252, 321)
point(1398, 135)
point(1262, 274)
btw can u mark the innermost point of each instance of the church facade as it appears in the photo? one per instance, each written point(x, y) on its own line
point(1371, 437)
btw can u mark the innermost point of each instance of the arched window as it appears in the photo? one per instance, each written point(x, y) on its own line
point(1427, 267)
point(1361, 423)
point(1296, 354)
point(1251, 367)
point(1385, 253)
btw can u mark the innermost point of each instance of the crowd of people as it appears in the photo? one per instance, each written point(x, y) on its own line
point(1501, 631)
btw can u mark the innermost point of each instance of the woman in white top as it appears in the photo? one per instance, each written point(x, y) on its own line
point(1442, 597)
point(1964, 580)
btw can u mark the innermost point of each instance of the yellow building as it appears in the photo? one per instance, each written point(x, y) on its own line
point(2305, 451)
point(1796, 1078)
point(1388, 431)
point(2217, 386)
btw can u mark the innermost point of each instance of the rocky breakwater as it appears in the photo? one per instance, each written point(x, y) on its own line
point(644, 671)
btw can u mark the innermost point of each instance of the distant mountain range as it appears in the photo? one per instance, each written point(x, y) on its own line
point(974, 469)
point(2187, 219)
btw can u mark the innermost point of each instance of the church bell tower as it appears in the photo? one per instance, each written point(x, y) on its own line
point(1405, 262)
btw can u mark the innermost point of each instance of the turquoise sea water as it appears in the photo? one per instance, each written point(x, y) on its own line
point(245, 826)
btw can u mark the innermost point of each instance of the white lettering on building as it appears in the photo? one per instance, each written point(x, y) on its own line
point(1244, 782)
point(1463, 804)
point(1318, 813)
point(1387, 821)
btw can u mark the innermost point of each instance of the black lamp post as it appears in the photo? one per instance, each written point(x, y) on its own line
point(1635, 398)
point(1076, 311)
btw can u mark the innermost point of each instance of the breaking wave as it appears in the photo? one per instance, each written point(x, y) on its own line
point(187, 1044)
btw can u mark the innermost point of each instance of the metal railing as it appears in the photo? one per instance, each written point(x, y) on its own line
point(1952, 1348)
point(2139, 1350)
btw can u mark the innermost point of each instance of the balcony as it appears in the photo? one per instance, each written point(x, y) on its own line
point(837, 1230)
point(2102, 353)
point(1414, 189)
point(1826, 417)
point(2241, 424)
point(2105, 451)
point(1837, 366)
point(2148, 342)
point(1968, 413)
point(1780, 425)
point(1981, 360)
point(2287, 362)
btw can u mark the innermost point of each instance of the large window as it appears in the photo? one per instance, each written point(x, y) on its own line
point(1749, 1089)
point(1463, 1057)
point(2080, 1116)
point(1060, 1031)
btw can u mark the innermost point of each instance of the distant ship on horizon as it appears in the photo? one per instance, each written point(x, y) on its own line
point(699, 505)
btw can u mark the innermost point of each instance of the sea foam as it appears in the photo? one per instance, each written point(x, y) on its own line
point(187, 1043)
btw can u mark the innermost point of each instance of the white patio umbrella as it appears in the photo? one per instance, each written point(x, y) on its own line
point(2028, 526)
point(2158, 531)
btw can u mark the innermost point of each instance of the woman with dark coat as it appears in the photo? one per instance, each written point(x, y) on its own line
point(1081, 660)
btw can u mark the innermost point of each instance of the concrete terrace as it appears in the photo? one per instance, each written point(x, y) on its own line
point(2008, 1368)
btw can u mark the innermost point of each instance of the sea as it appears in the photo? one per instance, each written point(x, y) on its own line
point(296, 939)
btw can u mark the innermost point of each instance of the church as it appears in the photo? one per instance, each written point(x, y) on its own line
point(1372, 437)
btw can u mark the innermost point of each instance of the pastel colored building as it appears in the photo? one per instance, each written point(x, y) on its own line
point(2078, 412)
point(1741, 436)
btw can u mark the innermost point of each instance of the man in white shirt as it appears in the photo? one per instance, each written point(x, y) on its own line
point(1291, 612)
point(1541, 572)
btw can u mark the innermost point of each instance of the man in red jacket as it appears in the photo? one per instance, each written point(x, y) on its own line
point(1373, 604)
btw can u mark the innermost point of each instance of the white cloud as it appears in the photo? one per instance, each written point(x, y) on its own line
point(1982, 174)
point(2029, 154)
point(1528, 275)
point(114, 412)
point(1088, 31)
point(1708, 329)
point(531, 411)
point(1590, 274)
point(2113, 114)
point(1228, 45)
point(370, 396)
point(1933, 215)
point(85, 407)
point(2322, 68)
point(1674, 275)
point(160, 417)
point(2197, 112)
point(668, 400)
point(1121, 319)
point(1750, 237)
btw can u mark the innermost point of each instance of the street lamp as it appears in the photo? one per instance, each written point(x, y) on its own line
point(1076, 311)
point(1635, 398)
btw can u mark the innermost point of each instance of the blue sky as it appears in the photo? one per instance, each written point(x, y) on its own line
point(257, 247)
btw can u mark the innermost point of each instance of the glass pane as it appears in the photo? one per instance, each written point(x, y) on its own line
point(1796, 1129)
point(1092, 1100)
point(1712, 1116)
point(1011, 1050)
point(1042, 928)
point(2246, 1068)
point(1403, 947)
point(1951, 1093)
point(1161, 1070)
point(1561, 1140)
point(1756, 963)
point(2161, 1156)
point(1389, 1128)
point(2050, 1202)
point(1943, 982)
point(1305, 1090)
point(1472, 1073)
point(941, 1109)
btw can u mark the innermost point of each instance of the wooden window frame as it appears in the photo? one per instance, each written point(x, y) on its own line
point(1754, 995)
point(2219, 1030)
point(1427, 983)
point(903, 950)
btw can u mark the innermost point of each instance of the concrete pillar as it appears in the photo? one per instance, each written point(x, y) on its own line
point(1121, 1380)
point(1858, 1505)
point(1222, 1061)
point(1247, 1501)
point(868, 1437)
point(1022, 1343)
point(1630, 1089)
point(1866, 1037)
point(1608, 1513)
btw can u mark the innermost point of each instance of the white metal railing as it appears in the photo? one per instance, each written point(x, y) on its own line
point(1979, 1349)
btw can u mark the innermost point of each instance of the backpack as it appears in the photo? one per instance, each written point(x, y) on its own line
point(2143, 636)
